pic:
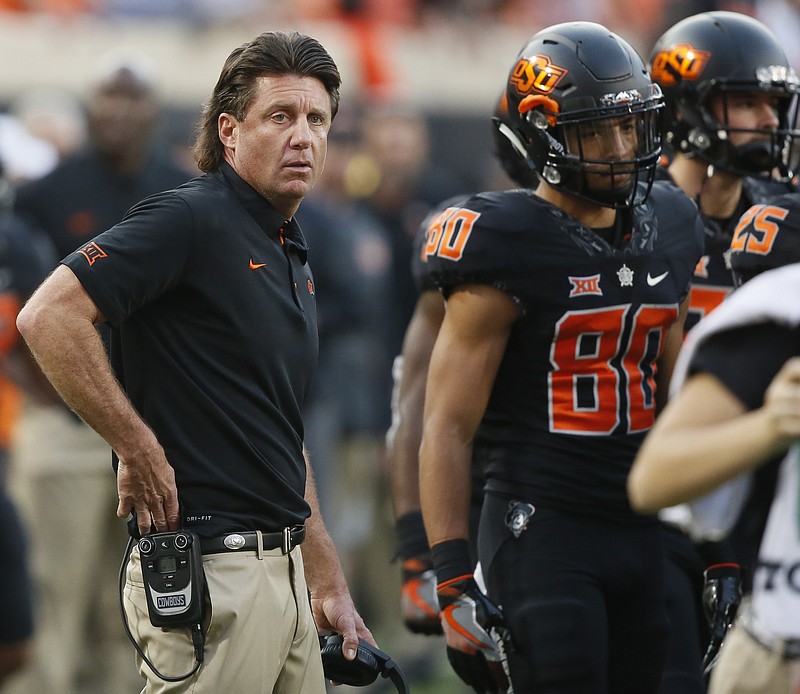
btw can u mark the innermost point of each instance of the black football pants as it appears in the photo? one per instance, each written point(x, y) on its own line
point(688, 633)
point(584, 598)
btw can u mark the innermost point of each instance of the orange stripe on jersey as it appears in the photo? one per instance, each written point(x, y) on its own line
point(704, 299)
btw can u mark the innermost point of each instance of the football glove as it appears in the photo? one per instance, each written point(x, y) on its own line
point(476, 635)
point(722, 593)
point(418, 601)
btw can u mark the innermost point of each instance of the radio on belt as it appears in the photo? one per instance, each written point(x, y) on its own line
point(172, 569)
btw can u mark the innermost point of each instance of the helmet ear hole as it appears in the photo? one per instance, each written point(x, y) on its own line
point(698, 139)
point(538, 120)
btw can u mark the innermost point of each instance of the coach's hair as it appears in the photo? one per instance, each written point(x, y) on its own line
point(271, 53)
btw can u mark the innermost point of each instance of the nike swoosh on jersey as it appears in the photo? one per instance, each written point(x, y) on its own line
point(255, 266)
point(653, 281)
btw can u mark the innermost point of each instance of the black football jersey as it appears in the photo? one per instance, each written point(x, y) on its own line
point(419, 260)
point(712, 280)
point(575, 391)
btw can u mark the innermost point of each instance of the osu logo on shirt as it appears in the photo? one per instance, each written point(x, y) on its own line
point(681, 61)
point(536, 73)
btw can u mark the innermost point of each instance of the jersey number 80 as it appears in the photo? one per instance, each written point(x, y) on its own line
point(603, 368)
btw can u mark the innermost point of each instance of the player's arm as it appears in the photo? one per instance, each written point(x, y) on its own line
point(672, 346)
point(465, 360)
point(58, 323)
point(705, 436)
point(418, 603)
point(416, 354)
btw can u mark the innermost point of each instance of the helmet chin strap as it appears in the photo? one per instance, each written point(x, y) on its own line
point(755, 157)
point(615, 196)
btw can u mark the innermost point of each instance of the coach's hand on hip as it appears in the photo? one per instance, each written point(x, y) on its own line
point(146, 484)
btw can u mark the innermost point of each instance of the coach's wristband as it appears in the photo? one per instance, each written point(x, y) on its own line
point(411, 538)
point(451, 560)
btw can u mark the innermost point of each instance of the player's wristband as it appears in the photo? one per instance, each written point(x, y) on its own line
point(451, 560)
point(411, 538)
point(716, 552)
point(723, 570)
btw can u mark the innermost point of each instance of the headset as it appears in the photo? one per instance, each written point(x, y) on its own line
point(363, 669)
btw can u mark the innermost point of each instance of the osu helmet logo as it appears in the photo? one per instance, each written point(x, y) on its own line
point(679, 62)
point(536, 73)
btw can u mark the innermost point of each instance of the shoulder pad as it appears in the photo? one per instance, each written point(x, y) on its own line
point(475, 242)
point(758, 190)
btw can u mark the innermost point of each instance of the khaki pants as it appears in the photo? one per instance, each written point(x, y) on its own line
point(261, 636)
point(746, 667)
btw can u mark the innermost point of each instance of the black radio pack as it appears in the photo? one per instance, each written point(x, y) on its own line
point(172, 569)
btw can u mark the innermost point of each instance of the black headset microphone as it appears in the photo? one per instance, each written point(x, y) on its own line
point(363, 669)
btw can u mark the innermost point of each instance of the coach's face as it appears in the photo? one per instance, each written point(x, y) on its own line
point(279, 147)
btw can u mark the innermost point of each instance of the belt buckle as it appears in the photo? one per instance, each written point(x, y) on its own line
point(286, 545)
point(234, 541)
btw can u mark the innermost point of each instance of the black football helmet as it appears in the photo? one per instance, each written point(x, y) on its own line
point(767, 237)
point(583, 109)
point(508, 149)
point(715, 54)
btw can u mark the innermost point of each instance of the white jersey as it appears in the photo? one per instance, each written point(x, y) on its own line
point(775, 603)
point(772, 296)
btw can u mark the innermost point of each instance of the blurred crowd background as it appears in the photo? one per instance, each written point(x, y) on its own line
point(420, 81)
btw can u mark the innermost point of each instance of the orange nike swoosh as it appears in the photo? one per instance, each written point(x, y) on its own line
point(255, 266)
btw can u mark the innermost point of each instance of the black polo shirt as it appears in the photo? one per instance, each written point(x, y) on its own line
point(214, 339)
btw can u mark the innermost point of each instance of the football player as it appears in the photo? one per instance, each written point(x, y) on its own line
point(730, 121)
point(563, 305)
point(730, 98)
point(419, 604)
point(738, 409)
